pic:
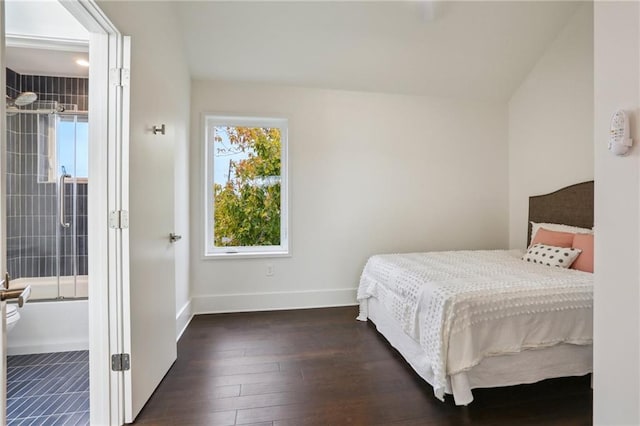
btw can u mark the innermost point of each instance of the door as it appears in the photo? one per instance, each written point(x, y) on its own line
point(135, 267)
point(149, 319)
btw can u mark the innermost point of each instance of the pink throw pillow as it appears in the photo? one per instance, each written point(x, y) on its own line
point(584, 262)
point(553, 238)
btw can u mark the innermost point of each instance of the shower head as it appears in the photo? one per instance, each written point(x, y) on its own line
point(25, 98)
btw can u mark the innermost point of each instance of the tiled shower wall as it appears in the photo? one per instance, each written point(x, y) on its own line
point(32, 207)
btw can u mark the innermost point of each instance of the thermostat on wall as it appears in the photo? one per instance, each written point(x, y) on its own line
point(619, 140)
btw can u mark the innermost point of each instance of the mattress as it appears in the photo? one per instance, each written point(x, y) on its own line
point(462, 307)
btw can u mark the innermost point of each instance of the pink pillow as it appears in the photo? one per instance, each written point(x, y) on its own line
point(584, 262)
point(553, 238)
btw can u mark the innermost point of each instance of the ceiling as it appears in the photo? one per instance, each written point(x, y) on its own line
point(46, 62)
point(43, 38)
point(470, 50)
point(42, 18)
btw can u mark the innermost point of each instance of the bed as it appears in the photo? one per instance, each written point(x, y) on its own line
point(481, 319)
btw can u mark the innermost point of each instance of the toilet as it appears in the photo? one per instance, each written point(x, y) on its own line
point(12, 316)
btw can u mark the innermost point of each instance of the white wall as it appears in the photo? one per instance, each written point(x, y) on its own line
point(160, 92)
point(369, 173)
point(550, 122)
point(617, 218)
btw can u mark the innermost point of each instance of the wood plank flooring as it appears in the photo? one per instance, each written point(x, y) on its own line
point(322, 367)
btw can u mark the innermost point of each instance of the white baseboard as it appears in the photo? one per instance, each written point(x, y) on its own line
point(48, 347)
point(183, 318)
point(249, 302)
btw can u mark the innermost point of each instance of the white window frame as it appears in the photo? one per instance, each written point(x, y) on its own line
point(212, 252)
point(52, 151)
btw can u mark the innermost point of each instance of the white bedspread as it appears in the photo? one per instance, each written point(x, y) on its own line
point(465, 305)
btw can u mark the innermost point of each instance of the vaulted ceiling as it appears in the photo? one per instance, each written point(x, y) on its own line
point(472, 50)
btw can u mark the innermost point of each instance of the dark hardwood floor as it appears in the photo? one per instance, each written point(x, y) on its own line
point(322, 367)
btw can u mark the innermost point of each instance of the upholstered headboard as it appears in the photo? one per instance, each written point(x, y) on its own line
point(572, 205)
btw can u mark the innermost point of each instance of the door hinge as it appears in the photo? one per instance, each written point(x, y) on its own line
point(119, 219)
point(119, 76)
point(120, 362)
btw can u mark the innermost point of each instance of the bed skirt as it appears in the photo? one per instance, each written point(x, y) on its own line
point(528, 366)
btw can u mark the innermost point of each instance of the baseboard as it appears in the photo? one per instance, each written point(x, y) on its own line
point(48, 348)
point(183, 318)
point(250, 302)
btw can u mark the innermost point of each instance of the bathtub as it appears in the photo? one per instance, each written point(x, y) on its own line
point(48, 325)
point(43, 288)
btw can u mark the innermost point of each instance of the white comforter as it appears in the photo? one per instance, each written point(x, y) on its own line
point(465, 305)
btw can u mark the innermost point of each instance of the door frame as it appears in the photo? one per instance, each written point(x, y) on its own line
point(3, 226)
point(108, 131)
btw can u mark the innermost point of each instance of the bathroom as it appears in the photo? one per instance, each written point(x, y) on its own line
point(46, 183)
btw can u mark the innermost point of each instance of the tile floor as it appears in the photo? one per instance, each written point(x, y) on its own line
point(48, 389)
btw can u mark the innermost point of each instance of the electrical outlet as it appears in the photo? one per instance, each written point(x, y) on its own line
point(269, 269)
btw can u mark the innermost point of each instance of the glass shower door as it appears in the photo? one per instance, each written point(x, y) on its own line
point(31, 200)
point(72, 160)
point(46, 202)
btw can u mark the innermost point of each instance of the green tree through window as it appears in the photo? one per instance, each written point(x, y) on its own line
point(247, 210)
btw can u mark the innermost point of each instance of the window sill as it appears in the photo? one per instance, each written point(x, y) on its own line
point(245, 255)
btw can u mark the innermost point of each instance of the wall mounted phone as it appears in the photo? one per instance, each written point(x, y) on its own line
point(619, 140)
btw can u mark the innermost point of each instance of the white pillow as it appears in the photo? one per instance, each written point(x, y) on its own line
point(561, 257)
point(558, 227)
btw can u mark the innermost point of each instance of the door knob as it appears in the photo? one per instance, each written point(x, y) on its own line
point(173, 237)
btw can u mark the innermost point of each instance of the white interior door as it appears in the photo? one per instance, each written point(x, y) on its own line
point(138, 276)
point(147, 163)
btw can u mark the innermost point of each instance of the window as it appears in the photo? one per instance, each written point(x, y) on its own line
point(246, 186)
point(72, 146)
point(63, 143)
